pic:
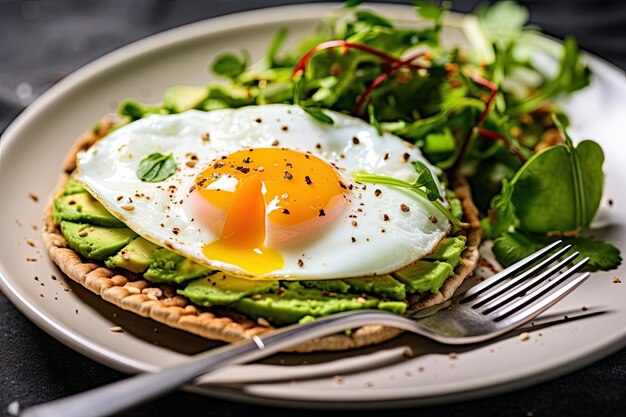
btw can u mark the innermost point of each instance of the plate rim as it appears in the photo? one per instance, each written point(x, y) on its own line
point(151, 44)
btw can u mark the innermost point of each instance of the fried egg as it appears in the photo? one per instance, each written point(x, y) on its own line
point(266, 192)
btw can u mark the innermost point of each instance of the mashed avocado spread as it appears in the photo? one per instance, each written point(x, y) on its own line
point(95, 234)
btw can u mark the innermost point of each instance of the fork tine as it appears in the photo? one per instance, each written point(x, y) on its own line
point(519, 290)
point(533, 310)
point(493, 292)
point(507, 272)
point(548, 288)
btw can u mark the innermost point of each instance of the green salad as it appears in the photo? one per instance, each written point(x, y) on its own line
point(490, 113)
point(487, 113)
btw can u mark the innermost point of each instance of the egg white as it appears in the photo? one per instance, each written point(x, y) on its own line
point(339, 250)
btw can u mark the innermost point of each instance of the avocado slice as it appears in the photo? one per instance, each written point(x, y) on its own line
point(423, 276)
point(94, 242)
point(449, 250)
point(83, 208)
point(184, 97)
point(384, 286)
point(221, 289)
point(135, 257)
point(170, 267)
point(296, 302)
point(330, 285)
point(72, 187)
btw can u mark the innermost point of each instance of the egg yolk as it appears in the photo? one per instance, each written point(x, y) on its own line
point(267, 196)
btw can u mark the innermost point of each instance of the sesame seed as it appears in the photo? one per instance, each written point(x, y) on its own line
point(377, 192)
point(116, 329)
point(263, 322)
point(433, 219)
point(83, 233)
point(404, 208)
point(33, 197)
point(275, 143)
point(256, 296)
point(300, 263)
point(524, 336)
point(355, 224)
point(127, 207)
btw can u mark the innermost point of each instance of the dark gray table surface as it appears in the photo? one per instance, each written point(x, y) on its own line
point(42, 41)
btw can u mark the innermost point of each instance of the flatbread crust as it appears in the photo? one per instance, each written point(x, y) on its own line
point(161, 303)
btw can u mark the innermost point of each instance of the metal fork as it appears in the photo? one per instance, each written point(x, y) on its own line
point(491, 308)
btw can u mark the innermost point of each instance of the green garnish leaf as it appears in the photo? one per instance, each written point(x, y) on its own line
point(373, 120)
point(318, 114)
point(417, 187)
point(429, 11)
point(502, 215)
point(353, 3)
point(230, 65)
point(512, 247)
point(425, 179)
point(272, 51)
point(156, 167)
point(556, 190)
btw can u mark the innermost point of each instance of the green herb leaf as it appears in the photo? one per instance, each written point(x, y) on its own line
point(230, 65)
point(156, 167)
point(272, 51)
point(318, 114)
point(353, 3)
point(425, 179)
point(512, 247)
point(429, 11)
point(364, 177)
point(502, 215)
point(373, 120)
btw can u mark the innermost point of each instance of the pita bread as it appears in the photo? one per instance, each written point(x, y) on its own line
point(161, 303)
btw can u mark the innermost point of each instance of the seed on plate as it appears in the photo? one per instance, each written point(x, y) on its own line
point(33, 197)
point(263, 322)
point(404, 208)
point(127, 207)
point(616, 280)
point(453, 355)
point(524, 336)
point(116, 329)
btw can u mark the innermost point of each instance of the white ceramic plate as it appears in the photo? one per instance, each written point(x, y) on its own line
point(35, 144)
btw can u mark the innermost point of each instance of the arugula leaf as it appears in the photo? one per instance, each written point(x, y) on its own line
point(416, 187)
point(512, 247)
point(373, 120)
point(318, 114)
point(502, 215)
point(272, 51)
point(425, 180)
point(353, 3)
point(230, 65)
point(156, 167)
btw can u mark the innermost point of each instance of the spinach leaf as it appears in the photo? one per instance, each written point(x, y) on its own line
point(557, 189)
point(512, 247)
point(156, 167)
point(502, 215)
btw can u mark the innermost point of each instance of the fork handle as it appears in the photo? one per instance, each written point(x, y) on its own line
point(124, 394)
